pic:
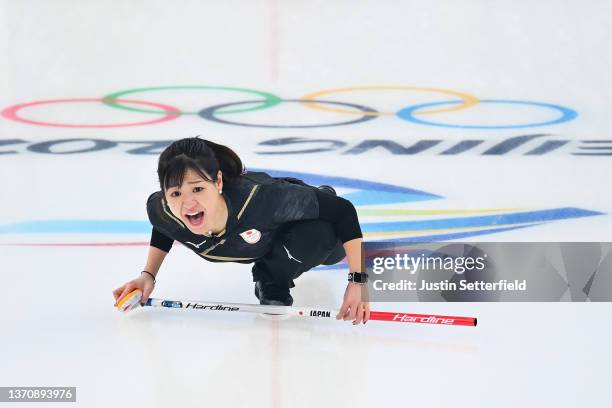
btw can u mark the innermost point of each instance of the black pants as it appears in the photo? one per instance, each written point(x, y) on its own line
point(299, 247)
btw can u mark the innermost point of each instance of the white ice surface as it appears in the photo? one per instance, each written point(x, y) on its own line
point(57, 323)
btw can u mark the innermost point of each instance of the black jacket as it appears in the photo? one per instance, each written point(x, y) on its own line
point(258, 206)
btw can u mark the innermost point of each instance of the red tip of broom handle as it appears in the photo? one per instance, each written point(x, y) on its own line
point(424, 318)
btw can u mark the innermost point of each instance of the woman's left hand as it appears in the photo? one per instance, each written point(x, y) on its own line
point(353, 307)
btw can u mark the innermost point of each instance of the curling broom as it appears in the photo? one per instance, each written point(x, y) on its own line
point(133, 299)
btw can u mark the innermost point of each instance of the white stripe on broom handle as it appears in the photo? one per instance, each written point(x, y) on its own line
point(398, 317)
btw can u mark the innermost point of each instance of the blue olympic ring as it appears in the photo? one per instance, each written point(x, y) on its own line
point(566, 114)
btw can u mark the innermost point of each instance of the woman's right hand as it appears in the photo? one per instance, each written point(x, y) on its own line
point(144, 282)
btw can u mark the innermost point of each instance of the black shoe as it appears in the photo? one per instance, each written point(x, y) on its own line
point(328, 189)
point(272, 295)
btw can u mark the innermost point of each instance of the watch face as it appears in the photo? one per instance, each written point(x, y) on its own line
point(358, 277)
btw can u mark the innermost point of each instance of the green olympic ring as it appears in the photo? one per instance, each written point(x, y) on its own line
point(270, 99)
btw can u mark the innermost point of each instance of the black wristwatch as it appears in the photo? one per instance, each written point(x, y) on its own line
point(358, 277)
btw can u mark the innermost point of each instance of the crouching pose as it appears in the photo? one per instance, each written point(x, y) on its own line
point(210, 204)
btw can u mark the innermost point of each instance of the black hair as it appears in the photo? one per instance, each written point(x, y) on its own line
point(202, 156)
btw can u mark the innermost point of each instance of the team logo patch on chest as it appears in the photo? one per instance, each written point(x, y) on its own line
point(251, 236)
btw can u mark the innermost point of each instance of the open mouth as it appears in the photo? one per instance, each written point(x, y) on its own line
point(195, 219)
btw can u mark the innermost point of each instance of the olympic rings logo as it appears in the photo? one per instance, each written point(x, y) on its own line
point(223, 113)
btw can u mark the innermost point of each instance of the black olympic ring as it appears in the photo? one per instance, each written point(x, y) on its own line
point(209, 114)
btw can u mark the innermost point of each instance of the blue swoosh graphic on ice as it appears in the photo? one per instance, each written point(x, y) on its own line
point(77, 227)
point(480, 221)
point(371, 189)
point(141, 227)
point(432, 238)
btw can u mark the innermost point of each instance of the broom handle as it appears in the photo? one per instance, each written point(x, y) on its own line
point(319, 313)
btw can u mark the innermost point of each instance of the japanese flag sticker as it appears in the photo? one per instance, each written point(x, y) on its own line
point(251, 236)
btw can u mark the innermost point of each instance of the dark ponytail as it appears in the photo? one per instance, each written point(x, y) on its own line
point(202, 156)
point(229, 163)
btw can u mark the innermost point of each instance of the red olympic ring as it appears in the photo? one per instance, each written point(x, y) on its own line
point(11, 113)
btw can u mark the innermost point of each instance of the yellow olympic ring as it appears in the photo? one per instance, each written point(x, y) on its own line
point(468, 100)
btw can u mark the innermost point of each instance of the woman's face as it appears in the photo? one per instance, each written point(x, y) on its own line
point(197, 203)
